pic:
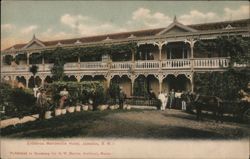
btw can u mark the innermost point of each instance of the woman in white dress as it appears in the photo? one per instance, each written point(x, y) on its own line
point(162, 98)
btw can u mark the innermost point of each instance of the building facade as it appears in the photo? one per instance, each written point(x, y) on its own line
point(164, 58)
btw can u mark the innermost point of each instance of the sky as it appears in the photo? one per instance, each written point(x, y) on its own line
point(52, 20)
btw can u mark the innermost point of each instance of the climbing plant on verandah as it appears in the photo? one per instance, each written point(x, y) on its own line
point(235, 47)
point(66, 53)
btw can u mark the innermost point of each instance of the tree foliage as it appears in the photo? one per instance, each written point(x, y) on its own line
point(17, 102)
point(225, 85)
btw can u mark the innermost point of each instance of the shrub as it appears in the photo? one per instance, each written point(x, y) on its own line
point(5, 96)
point(23, 101)
point(17, 101)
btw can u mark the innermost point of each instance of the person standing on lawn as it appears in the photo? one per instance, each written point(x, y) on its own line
point(122, 97)
point(183, 101)
point(35, 89)
point(162, 98)
point(42, 103)
point(152, 94)
point(171, 98)
point(64, 96)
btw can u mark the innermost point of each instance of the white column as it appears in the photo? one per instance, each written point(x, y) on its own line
point(170, 53)
point(28, 60)
point(27, 81)
point(132, 85)
point(191, 43)
point(78, 78)
point(43, 63)
point(42, 78)
point(79, 62)
point(160, 78)
point(13, 81)
point(183, 53)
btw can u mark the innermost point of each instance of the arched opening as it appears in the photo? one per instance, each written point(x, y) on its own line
point(124, 83)
point(34, 81)
point(179, 83)
point(140, 86)
point(71, 78)
point(86, 78)
point(48, 79)
point(21, 82)
point(153, 84)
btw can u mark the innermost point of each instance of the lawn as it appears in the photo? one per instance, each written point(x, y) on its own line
point(172, 124)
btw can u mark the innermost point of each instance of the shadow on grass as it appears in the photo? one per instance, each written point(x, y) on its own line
point(68, 125)
point(95, 124)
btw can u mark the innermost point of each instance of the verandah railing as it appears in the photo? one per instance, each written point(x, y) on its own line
point(198, 63)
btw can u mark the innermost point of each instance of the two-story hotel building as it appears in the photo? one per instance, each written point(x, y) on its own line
point(165, 57)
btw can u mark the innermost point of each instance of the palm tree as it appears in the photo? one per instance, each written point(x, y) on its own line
point(33, 69)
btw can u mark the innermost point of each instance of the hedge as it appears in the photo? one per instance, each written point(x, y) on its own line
point(17, 101)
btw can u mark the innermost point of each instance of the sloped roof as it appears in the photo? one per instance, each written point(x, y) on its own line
point(142, 33)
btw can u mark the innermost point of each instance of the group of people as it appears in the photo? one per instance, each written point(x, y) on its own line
point(172, 99)
point(42, 100)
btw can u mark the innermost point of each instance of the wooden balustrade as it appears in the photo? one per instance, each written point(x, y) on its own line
point(198, 63)
point(147, 64)
point(176, 63)
point(211, 63)
point(93, 65)
point(121, 65)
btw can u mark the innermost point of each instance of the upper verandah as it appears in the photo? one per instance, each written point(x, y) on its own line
point(171, 29)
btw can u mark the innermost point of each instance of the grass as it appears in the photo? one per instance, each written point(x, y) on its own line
point(128, 124)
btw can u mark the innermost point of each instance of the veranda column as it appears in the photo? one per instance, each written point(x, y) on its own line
point(160, 78)
point(2, 62)
point(133, 59)
point(42, 78)
point(28, 59)
point(79, 63)
point(43, 63)
point(27, 81)
point(191, 43)
point(132, 84)
point(108, 78)
point(13, 81)
point(78, 78)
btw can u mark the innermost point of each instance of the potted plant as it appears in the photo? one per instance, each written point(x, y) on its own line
point(102, 107)
point(58, 111)
point(48, 114)
point(63, 110)
point(78, 108)
point(71, 109)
